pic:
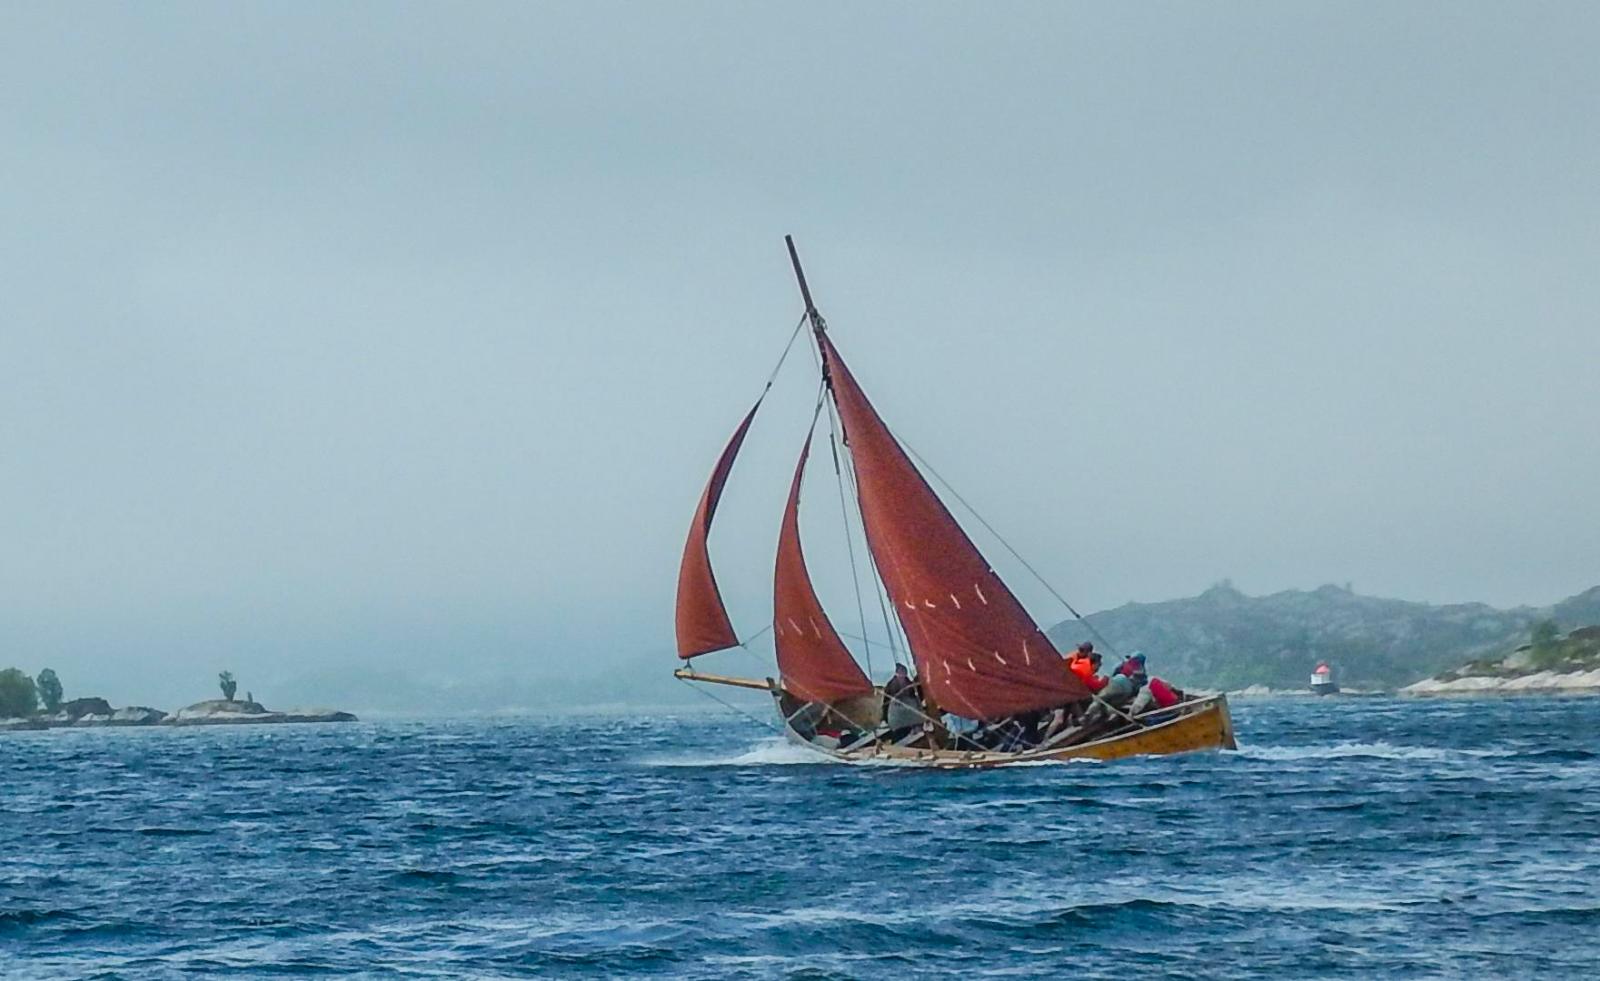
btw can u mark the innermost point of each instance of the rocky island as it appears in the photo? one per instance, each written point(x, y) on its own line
point(215, 712)
point(227, 712)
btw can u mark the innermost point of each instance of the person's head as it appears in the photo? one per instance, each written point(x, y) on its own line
point(1086, 648)
point(900, 671)
point(1094, 661)
point(1137, 660)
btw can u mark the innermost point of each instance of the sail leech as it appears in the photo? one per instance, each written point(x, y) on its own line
point(922, 554)
point(701, 618)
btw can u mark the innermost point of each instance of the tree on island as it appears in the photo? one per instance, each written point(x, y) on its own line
point(229, 686)
point(18, 696)
point(50, 692)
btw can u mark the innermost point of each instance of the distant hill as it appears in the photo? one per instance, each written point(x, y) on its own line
point(1225, 639)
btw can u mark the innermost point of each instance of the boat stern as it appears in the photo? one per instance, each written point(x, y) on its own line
point(1226, 717)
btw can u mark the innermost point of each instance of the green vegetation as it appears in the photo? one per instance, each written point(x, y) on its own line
point(1547, 650)
point(50, 692)
point(227, 684)
point(1577, 651)
point(1545, 637)
point(18, 695)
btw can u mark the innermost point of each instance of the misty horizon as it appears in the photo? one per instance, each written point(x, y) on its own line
point(377, 688)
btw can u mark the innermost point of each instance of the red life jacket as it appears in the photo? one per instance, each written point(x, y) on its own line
point(1163, 694)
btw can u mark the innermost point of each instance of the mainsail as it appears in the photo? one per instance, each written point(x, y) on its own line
point(702, 620)
point(812, 660)
point(978, 652)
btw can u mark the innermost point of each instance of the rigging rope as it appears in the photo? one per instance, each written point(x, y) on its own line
point(787, 347)
point(782, 357)
point(1032, 571)
point(891, 628)
point(849, 539)
point(728, 705)
point(752, 639)
point(1007, 546)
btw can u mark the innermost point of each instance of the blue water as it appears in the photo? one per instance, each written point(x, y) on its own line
point(1350, 838)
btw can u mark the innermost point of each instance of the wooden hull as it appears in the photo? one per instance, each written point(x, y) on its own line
point(1204, 724)
point(1193, 726)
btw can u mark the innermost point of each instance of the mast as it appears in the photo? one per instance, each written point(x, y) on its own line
point(819, 328)
point(800, 274)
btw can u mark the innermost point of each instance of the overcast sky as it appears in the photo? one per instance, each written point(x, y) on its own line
point(361, 337)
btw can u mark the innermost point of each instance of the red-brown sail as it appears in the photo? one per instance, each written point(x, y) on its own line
point(978, 652)
point(702, 620)
point(813, 661)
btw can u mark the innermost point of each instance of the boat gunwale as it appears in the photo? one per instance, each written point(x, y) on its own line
point(973, 759)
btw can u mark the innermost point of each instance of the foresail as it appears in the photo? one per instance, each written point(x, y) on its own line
point(977, 650)
point(812, 660)
point(702, 621)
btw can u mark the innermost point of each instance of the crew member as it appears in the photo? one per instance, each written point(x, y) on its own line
point(902, 704)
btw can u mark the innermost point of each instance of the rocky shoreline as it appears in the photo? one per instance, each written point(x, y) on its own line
point(1552, 665)
point(96, 713)
point(1537, 683)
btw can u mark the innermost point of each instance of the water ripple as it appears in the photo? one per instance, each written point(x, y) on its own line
point(1348, 839)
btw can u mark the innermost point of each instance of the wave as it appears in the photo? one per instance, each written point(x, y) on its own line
point(1379, 750)
point(424, 876)
point(783, 752)
point(1568, 755)
point(995, 911)
point(769, 752)
point(18, 918)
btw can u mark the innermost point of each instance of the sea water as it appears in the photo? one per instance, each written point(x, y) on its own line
point(1347, 838)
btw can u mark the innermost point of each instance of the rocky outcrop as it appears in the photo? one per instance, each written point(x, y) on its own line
point(136, 715)
point(265, 718)
point(89, 713)
point(219, 711)
point(217, 708)
point(79, 707)
point(1537, 683)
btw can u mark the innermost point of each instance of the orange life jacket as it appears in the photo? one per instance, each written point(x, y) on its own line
point(1084, 669)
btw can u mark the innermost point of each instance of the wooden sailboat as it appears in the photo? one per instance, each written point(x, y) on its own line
point(979, 656)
